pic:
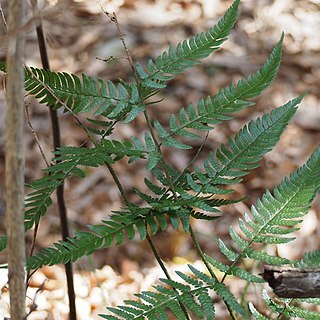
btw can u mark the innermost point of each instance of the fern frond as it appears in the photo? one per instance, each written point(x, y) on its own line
point(212, 111)
point(84, 243)
point(187, 53)
point(309, 260)
point(234, 270)
point(254, 84)
point(256, 313)
point(127, 222)
point(81, 94)
point(69, 159)
point(154, 156)
point(275, 212)
point(315, 301)
point(39, 200)
point(230, 163)
point(108, 152)
point(168, 296)
point(284, 307)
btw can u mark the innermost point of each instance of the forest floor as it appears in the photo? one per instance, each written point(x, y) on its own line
point(82, 39)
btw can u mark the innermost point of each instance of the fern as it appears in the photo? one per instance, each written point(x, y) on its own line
point(275, 217)
point(69, 160)
point(228, 100)
point(133, 219)
point(194, 296)
point(309, 260)
point(284, 308)
point(85, 243)
point(187, 54)
point(230, 163)
point(174, 197)
point(84, 94)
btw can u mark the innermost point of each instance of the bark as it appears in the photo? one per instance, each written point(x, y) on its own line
point(15, 160)
point(288, 282)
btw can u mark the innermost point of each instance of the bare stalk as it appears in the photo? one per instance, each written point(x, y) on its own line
point(60, 190)
point(15, 161)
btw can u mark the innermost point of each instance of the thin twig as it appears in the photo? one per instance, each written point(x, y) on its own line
point(3, 18)
point(36, 136)
point(113, 18)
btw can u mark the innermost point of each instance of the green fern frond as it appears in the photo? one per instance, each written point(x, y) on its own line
point(193, 295)
point(39, 200)
point(108, 152)
point(309, 260)
point(212, 111)
point(300, 313)
point(254, 84)
point(69, 159)
point(234, 270)
point(281, 210)
point(284, 308)
point(230, 163)
point(84, 243)
point(154, 156)
point(188, 53)
point(227, 297)
point(184, 205)
point(315, 301)
point(154, 188)
point(56, 89)
point(127, 222)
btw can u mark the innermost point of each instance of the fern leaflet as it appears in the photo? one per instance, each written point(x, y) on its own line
point(230, 163)
point(228, 100)
point(56, 89)
point(187, 54)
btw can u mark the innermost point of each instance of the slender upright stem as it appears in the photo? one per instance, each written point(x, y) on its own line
point(60, 190)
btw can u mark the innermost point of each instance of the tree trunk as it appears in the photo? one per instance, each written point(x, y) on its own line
point(15, 159)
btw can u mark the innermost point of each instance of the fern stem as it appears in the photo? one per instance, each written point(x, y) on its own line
point(162, 162)
point(118, 183)
point(164, 269)
point(158, 258)
point(203, 258)
point(150, 242)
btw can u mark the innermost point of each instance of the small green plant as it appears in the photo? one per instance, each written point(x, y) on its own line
point(175, 197)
